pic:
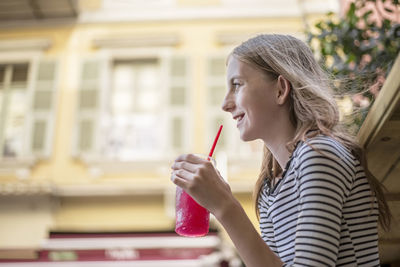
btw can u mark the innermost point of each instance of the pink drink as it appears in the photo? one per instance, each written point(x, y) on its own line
point(191, 219)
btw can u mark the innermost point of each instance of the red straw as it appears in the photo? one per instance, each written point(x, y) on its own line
point(215, 142)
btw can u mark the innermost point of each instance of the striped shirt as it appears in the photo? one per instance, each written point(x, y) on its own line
point(321, 212)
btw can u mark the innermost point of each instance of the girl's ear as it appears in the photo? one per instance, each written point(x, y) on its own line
point(283, 90)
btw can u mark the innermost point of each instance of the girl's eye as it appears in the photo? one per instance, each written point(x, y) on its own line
point(235, 85)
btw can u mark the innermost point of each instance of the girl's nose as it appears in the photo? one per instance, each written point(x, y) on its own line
point(228, 104)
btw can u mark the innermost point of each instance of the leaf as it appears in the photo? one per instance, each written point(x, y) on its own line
point(319, 25)
point(366, 15)
point(350, 58)
point(351, 13)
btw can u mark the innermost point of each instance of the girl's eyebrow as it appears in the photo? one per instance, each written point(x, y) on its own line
point(235, 77)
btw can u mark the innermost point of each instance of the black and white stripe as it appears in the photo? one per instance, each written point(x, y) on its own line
point(321, 212)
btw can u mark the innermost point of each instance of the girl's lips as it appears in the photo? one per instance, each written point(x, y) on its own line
point(239, 119)
point(238, 116)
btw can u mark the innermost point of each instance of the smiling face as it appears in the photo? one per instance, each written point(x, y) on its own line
point(251, 99)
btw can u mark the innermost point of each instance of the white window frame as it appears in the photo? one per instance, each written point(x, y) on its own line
point(95, 161)
point(28, 159)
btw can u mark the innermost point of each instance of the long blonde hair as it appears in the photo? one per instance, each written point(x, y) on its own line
point(313, 106)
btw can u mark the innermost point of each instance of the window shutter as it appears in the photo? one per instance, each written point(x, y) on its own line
point(88, 105)
point(178, 102)
point(43, 108)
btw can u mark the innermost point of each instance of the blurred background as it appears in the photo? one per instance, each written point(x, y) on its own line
point(98, 97)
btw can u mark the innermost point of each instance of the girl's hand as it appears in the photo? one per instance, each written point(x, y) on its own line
point(199, 178)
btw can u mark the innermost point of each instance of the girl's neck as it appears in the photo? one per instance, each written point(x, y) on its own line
point(278, 144)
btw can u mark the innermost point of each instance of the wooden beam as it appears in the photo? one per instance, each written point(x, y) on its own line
point(383, 107)
point(392, 196)
point(384, 154)
point(389, 241)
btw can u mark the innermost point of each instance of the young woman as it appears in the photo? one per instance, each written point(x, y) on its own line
point(316, 202)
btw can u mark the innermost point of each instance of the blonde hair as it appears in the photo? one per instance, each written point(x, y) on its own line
point(313, 107)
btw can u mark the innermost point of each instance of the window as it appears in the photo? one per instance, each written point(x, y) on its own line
point(134, 119)
point(26, 101)
point(14, 107)
point(137, 113)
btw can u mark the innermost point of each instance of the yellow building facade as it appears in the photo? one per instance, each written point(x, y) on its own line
point(95, 108)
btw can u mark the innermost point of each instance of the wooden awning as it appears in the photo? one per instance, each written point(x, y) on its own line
point(380, 136)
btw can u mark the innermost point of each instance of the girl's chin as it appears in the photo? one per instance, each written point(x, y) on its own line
point(246, 138)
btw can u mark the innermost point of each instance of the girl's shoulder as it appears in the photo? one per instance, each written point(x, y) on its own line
point(323, 145)
point(325, 155)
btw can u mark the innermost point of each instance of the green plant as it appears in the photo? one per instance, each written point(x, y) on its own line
point(358, 49)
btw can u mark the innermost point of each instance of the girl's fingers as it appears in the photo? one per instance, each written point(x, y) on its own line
point(184, 174)
point(181, 182)
point(184, 165)
point(181, 178)
point(191, 158)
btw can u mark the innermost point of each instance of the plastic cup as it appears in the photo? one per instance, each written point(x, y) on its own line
point(191, 219)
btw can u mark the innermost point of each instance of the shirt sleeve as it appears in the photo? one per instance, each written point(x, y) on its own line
point(324, 179)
